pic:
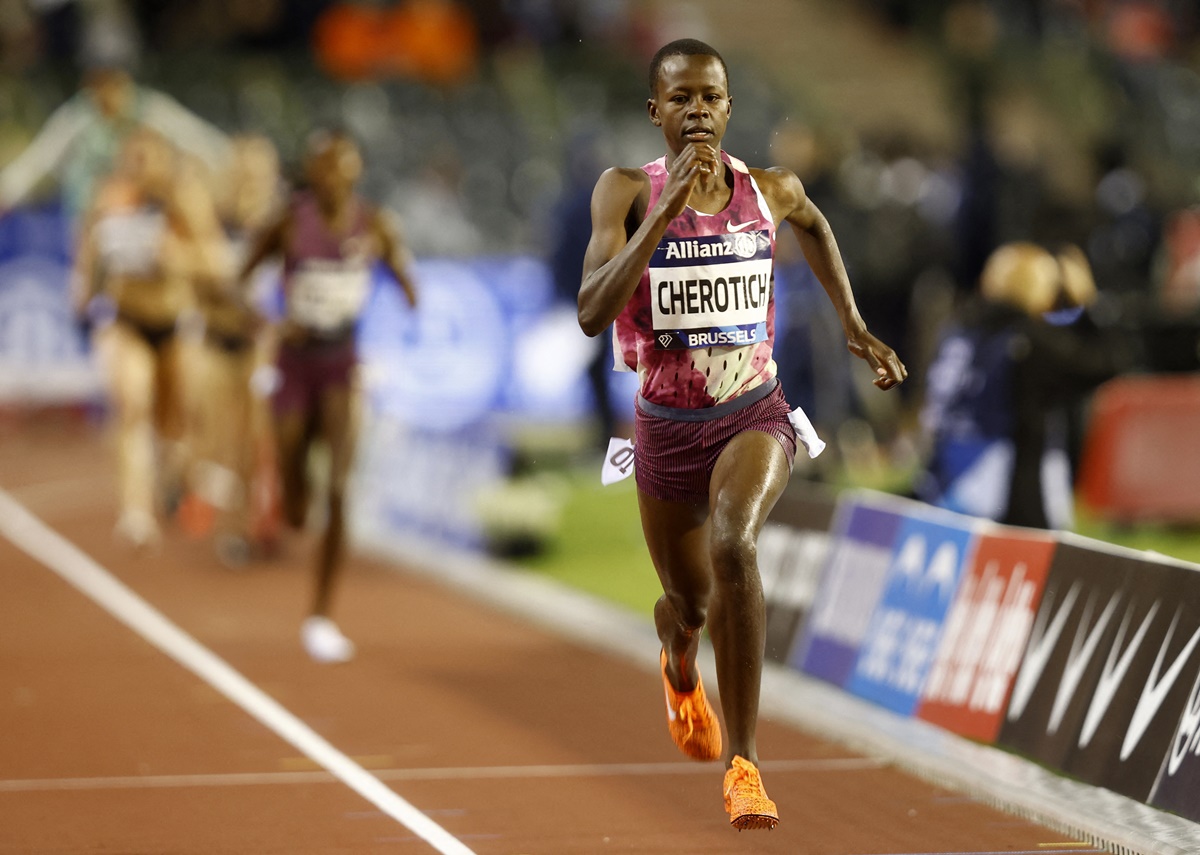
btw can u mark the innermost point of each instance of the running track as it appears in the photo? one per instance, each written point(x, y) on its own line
point(182, 716)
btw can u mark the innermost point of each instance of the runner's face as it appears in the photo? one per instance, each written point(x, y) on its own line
point(110, 91)
point(148, 160)
point(692, 102)
point(336, 168)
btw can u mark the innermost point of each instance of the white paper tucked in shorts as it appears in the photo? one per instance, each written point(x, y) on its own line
point(806, 433)
point(618, 461)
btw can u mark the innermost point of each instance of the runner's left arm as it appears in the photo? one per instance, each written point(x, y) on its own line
point(395, 254)
point(85, 270)
point(792, 205)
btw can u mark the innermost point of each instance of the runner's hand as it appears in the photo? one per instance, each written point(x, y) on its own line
point(696, 160)
point(882, 359)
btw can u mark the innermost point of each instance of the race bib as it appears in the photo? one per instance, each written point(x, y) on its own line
point(711, 291)
point(326, 299)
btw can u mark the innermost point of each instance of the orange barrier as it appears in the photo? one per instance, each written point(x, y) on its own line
point(1141, 456)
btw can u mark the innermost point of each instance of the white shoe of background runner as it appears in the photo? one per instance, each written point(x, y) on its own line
point(324, 642)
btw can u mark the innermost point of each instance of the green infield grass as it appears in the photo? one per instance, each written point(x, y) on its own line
point(598, 546)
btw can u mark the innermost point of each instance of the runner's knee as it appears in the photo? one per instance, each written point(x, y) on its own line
point(734, 555)
point(691, 608)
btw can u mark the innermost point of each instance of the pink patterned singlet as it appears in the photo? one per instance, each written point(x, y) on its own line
point(700, 327)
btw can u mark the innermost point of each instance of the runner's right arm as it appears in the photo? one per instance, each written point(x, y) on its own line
point(394, 253)
point(615, 261)
point(268, 243)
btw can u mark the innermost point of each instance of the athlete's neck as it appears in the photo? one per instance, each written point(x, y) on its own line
point(335, 209)
point(713, 192)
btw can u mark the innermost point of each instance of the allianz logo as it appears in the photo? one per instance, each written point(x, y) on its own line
point(1044, 640)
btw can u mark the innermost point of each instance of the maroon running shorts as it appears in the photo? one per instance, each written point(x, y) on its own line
point(307, 371)
point(675, 450)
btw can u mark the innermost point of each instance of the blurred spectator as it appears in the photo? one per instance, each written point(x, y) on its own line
point(895, 237)
point(1179, 284)
point(813, 365)
point(997, 394)
point(1127, 230)
point(572, 226)
point(79, 142)
point(432, 208)
point(18, 37)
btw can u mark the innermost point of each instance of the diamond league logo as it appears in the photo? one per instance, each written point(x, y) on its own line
point(665, 339)
point(745, 245)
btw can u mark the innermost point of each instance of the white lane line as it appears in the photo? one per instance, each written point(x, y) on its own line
point(454, 773)
point(45, 545)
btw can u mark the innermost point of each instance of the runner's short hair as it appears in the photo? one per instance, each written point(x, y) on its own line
point(683, 47)
point(322, 136)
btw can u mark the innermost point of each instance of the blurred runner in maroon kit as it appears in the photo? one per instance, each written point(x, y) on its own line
point(329, 238)
point(681, 259)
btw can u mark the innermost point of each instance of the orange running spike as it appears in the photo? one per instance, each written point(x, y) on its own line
point(690, 718)
point(746, 801)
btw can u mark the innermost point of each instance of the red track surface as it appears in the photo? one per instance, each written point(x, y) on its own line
point(505, 735)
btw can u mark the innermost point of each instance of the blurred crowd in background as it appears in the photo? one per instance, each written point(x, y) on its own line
point(484, 124)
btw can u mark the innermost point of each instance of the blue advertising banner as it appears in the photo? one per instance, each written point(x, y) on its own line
point(487, 346)
point(425, 484)
point(489, 339)
point(43, 353)
point(862, 538)
point(922, 582)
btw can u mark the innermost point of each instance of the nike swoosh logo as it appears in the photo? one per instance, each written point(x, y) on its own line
point(671, 714)
point(1156, 689)
point(1114, 671)
point(1042, 641)
point(1082, 649)
point(739, 226)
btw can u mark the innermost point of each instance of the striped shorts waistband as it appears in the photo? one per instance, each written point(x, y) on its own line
point(705, 414)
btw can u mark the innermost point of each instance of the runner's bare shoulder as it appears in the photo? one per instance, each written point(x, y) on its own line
point(623, 191)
